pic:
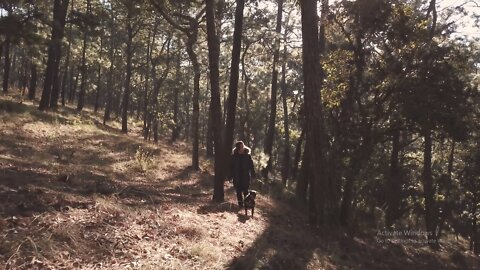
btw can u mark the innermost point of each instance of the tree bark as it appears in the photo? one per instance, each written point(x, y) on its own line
point(67, 61)
point(273, 98)
point(286, 151)
point(99, 80)
point(176, 104)
point(313, 108)
point(54, 54)
point(213, 57)
point(298, 154)
point(128, 76)
point(428, 189)
point(6, 68)
point(81, 95)
point(394, 187)
point(33, 82)
point(234, 77)
point(245, 125)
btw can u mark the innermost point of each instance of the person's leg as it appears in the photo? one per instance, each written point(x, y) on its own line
point(239, 196)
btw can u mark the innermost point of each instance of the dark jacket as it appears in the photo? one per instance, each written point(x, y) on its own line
point(242, 169)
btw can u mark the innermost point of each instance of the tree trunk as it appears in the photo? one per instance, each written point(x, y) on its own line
point(428, 189)
point(213, 57)
point(273, 98)
point(192, 40)
point(64, 85)
point(210, 134)
point(315, 133)
point(394, 187)
point(286, 151)
point(302, 180)
point(99, 81)
point(233, 85)
point(83, 71)
point(6, 68)
point(176, 103)
point(24, 76)
point(129, 53)
point(109, 86)
point(151, 42)
point(298, 153)
point(447, 203)
point(72, 84)
point(67, 61)
point(245, 125)
point(81, 95)
point(33, 82)
point(54, 54)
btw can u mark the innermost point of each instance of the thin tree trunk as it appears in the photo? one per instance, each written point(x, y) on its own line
point(286, 151)
point(81, 95)
point(210, 134)
point(129, 52)
point(192, 40)
point(33, 81)
point(428, 189)
point(109, 87)
point(71, 84)
point(234, 76)
point(298, 154)
point(447, 204)
point(176, 103)
point(67, 61)
point(151, 41)
point(303, 180)
point(6, 68)
point(99, 81)
point(393, 184)
point(64, 85)
point(273, 98)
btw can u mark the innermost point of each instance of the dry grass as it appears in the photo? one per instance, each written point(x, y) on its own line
point(76, 195)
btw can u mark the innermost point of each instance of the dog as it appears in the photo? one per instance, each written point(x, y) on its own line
point(249, 201)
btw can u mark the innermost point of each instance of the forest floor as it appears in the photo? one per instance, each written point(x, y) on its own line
point(75, 194)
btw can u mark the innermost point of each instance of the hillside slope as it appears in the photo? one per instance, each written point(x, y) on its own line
point(79, 195)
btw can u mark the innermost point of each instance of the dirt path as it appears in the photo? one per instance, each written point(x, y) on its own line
point(79, 195)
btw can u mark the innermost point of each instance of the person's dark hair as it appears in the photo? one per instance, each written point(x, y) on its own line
point(238, 144)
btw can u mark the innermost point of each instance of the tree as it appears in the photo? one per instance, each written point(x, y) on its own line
point(216, 110)
point(322, 204)
point(234, 77)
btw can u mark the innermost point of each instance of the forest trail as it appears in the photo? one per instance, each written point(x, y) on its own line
point(79, 195)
